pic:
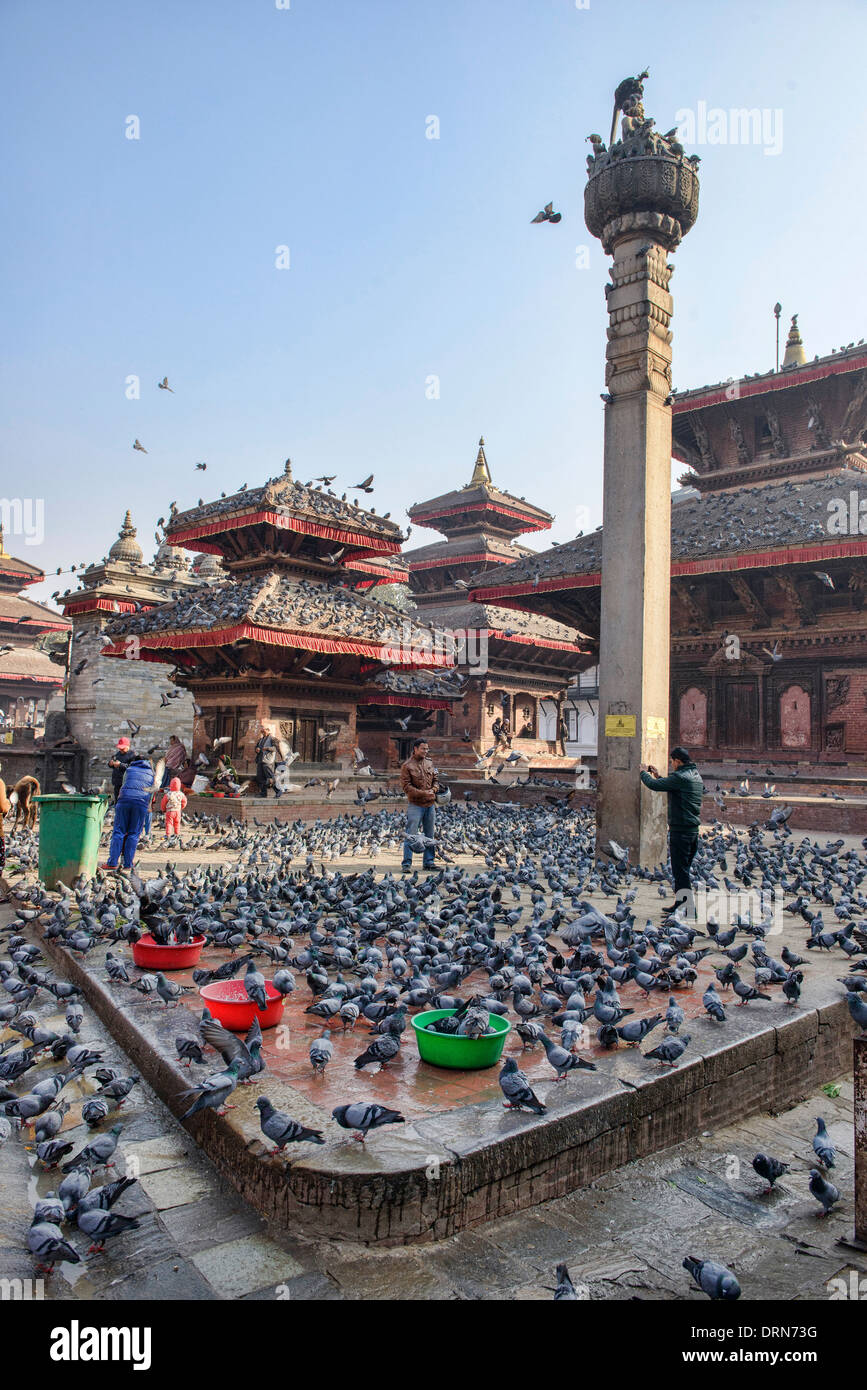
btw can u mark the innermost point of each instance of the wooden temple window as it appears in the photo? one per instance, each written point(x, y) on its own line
point(764, 438)
point(835, 737)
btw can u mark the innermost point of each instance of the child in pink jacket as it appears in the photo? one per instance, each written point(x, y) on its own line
point(173, 804)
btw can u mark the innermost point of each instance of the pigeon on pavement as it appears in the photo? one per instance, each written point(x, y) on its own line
point(713, 1278)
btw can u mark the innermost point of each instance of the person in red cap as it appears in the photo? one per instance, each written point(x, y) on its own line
point(173, 804)
point(119, 764)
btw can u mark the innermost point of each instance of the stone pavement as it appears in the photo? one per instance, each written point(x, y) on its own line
point(197, 1238)
point(623, 1237)
point(624, 1234)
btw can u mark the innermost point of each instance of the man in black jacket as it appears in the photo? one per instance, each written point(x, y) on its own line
point(685, 790)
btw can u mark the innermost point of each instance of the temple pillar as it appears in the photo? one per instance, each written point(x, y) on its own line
point(641, 198)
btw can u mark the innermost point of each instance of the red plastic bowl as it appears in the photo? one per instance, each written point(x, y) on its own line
point(150, 955)
point(229, 1003)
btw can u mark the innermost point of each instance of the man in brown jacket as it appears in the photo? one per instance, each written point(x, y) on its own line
point(418, 778)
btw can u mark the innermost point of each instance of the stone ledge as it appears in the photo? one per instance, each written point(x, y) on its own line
point(441, 1174)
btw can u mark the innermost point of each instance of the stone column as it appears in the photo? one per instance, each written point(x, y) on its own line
point(641, 198)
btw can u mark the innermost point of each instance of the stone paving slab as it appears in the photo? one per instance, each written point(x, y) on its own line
point(239, 1267)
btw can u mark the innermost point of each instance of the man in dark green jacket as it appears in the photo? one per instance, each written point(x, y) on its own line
point(685, 790)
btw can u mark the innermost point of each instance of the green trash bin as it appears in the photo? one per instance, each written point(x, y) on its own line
point(69, 831)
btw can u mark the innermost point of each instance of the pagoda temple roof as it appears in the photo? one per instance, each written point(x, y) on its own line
point(505, 624)
point(28, 664)
point(481, 498)
point(414, 689)
point(15, 573)
point(465, 550)
point(27, 614)
point(286, 504)
point(759, 526)
point(276, 609)
point(479, 501)
point(850, 359)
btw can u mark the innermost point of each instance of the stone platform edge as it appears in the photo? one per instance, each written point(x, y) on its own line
point(462, 1167)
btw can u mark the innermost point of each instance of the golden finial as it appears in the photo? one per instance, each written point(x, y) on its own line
point(795, 354)
point(481, 472)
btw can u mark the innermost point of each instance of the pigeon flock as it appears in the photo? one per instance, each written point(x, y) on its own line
point(515, 934)
point(751, 518)
point(44, 1071)
point(277, 601)
point(301, 499)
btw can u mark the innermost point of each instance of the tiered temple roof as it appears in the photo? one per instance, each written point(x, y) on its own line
point(481, 523)
point(278, 610)
point(26, 673)
point(776, 459)
point(479, 507)
point(296, 556)
point(124, 582)
point(807, 418)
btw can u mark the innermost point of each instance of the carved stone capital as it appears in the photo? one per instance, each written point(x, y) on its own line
point(655, 194)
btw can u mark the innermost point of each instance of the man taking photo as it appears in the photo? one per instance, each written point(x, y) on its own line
point(685, 790)
point(418, 778)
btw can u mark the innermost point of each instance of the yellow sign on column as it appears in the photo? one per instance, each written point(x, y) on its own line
point(620, 726)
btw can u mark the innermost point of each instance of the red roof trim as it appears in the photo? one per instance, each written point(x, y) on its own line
point(781, 381)
point(282, 523)
point(33, 623)
point(415, 565)
point(40, 680)
point(794, 555)
point(388, 575)
point(409, 701)
point(25, 576)
point(101, 605)
point(428, 518)
point(272, 637)
point(530, 641)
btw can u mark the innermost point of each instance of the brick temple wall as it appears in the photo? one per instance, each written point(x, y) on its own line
point(109, 691)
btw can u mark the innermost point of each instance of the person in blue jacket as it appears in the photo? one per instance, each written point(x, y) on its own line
point(130, 812)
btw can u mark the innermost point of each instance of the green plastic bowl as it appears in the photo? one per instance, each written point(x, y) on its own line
point(462, 1054)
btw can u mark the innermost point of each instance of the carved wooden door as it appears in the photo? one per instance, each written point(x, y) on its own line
point(741, 715)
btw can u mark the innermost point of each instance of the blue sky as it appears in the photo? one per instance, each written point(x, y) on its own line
point(409, 257)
